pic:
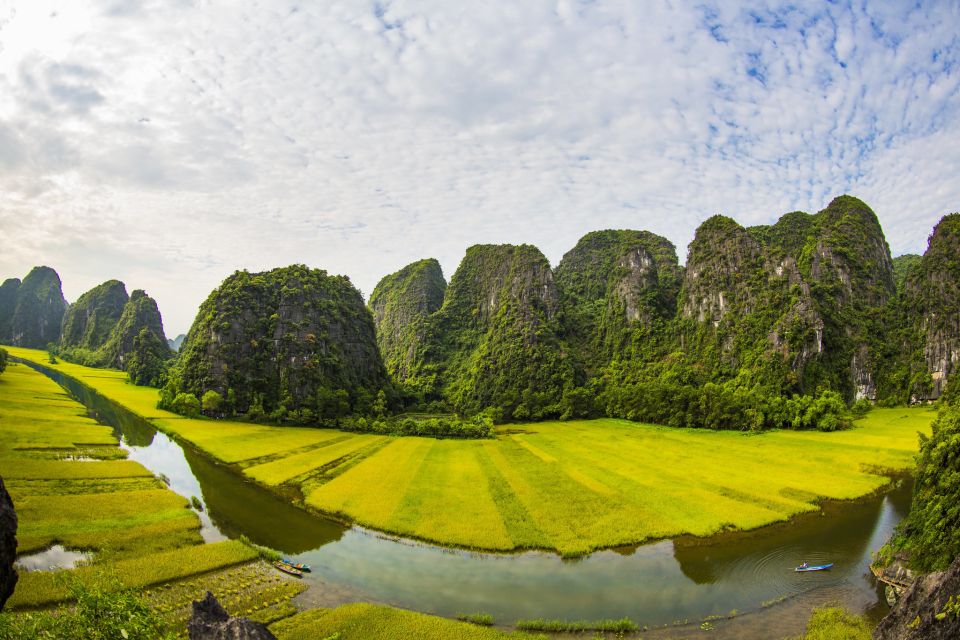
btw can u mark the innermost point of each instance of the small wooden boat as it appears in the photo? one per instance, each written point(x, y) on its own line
point(296, 565)
point(819, 567)
point(282, 566)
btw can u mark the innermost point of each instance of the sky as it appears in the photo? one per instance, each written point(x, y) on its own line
point(168, 144)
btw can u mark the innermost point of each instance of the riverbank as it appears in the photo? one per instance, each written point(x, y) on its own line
point(569, 487)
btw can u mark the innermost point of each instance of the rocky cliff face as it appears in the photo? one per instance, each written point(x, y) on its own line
point(932, 304)
point(809, 289)
point(140, 312)
point(279, 337)
point(88, 322)
point(930, 610)
point(402, 304)
point(8, 545)
point(8, 304)
point(39, 310)
point(612, 283)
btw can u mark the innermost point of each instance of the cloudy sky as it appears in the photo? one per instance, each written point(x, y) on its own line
point(169, 143)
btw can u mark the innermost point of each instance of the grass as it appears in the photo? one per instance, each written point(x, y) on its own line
point(480, 619)
point(373, 622)
point(624, 625)
point(831, 623)
point(572, 487)
point(42, 588)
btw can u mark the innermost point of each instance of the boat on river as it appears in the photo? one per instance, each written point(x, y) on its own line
point(819, 567)
point(286, 568)
point(296, 565)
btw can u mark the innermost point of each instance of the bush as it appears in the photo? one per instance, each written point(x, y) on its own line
point(3, 360)
point(211, 402)
point(186, 404)
point(436, 427)
point(103, 611)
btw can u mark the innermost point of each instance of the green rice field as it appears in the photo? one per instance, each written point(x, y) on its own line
point(71, 486)
point(571, 487)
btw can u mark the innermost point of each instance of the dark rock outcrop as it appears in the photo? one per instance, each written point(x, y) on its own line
point(8, 545)
point(88, 322)
point(210, 621)
point(39, 310)
point(929, 610)
point(281, 339)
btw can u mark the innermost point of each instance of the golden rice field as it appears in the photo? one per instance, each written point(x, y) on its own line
point(567, 486)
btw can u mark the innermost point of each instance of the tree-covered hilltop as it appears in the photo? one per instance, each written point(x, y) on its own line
point(291, 341)
point(402, 304)
point(613, 285)
point(88, 322)
point(498, 340)
point(137, 343)
point(31, 311)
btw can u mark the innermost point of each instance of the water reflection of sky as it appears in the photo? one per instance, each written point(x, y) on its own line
point(164, 456)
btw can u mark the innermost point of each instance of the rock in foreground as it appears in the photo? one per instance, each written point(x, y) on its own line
point(8, 545)
point(210, 621)
point(930, 610)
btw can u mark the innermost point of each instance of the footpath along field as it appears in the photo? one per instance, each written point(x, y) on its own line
point(71, 487)
point(572, 487)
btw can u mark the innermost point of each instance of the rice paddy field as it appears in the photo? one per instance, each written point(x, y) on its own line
point(71, 486)
point(571, 487)
point(372, 622)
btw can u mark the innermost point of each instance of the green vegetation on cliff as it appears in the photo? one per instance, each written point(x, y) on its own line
point(8, 303)
point(135, 342)
point(37, 310)
point(497, 338)
point(88, 322)
point(402, 304)
point(616, 288)
point(930, 534)
point(294, 344)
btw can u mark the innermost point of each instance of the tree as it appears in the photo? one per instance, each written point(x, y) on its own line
point(211, 402)
point(379, 407)
point(186, 404)
point(3, 360)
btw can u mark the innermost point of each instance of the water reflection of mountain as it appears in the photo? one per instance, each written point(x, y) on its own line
point(843, 534)
point(240, 507)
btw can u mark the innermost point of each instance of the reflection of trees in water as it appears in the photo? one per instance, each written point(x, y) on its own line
point(239, 507)
point(843, 536)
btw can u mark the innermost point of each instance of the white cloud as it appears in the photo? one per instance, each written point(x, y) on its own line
point(168, 144)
